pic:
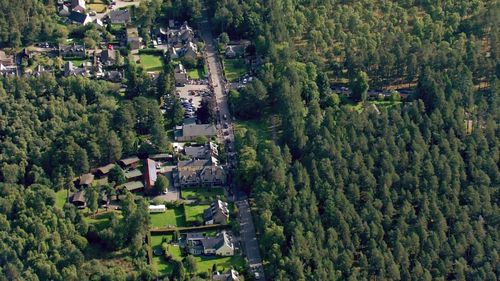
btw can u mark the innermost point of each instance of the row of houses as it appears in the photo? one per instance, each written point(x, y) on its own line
point(136, 179)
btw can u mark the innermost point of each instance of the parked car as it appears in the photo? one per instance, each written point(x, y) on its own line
point(226, 125)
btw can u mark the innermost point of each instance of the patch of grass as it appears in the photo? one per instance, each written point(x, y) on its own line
point(61, 198)
point(159, 262)
point(197, 73)
point(194, 213)
point(261, 128)
point(173, 217)
point(101, 221)
point(151, 62)
point(193, 193)
point(98, 7)
point(234, 68)
point(205, 263)
point(77, 62)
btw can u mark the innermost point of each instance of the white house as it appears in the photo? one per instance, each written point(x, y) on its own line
point(157, 208)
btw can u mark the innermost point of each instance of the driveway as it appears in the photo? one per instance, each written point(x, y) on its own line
point(119, 4)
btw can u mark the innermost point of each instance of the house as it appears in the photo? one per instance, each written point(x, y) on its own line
point(64, 11)
point(230, 275)
point(98, 22)
point(8, 70)
point(180, 37)
point(85, 180)
point(71, 70)
point(103, 171)
point(113, 76)
point(133, 39)
point(133, 186)
point(6, 60)
point(119, 16)
point(234, 51)
point(78, 5)
point(174, 53)
point(217, 213)
point(199, 173)
point(78, 199)
point(150, 174)
point(79, 18)
point(39, 70)
point(190, 132)
point(220, 245)
point(129, 163)
point(72, 51)
point(201, 152)
point(108, 57)
point(180, 75)
point(190, 50)
point(157, 208)
point(133, 175)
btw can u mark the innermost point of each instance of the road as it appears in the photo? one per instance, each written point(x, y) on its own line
point(216, 78)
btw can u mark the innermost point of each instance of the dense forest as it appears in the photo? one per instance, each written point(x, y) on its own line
point(408, 192)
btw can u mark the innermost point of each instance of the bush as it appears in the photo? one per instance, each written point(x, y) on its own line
point(151, 51)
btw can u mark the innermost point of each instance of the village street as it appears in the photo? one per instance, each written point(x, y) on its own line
point(216, 78)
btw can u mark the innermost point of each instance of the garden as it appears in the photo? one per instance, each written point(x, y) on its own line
point(234, 68)
point(151, 62)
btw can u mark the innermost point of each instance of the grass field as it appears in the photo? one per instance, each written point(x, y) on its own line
point(197, 73)
point(173, 217)
point(204, 263)
point(234, 68)
point(193, 193)
point(61, 197)
point(151, 62)
point(194, 213)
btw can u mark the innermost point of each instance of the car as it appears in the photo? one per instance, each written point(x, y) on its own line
point(226, 125)
point(257, 275)
point(225, 117)
point(245, 81)
point(92, 13)
point(159, 41)
point(226, 133)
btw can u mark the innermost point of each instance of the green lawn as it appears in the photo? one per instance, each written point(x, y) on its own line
point(234, 68)
point(194, 213)
point(78, 62)
point(161, 264)
point(61, 197)
point(261, 128)
point(204, 263)
point(151, 62)
point(173, 217)
point(193, 193)
point(197, 73)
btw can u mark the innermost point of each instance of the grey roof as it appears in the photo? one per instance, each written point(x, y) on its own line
point(105, 169)
point(86, 179)
point(107, 55)
point(128, 161)
point(134, 185)
point(77, 17)
point(160, 156)
point(119, 16)
point(194, 130)
point(194, 163)
point(133, 174)
point(195, 151)
point(194, 236)
point(78, 197)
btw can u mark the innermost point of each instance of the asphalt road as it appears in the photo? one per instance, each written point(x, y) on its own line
point(247, 232)
point(119, 4)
